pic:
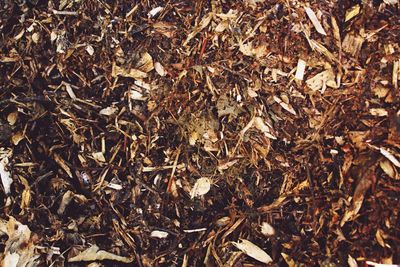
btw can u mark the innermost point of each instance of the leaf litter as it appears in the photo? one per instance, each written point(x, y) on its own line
point(199, 133)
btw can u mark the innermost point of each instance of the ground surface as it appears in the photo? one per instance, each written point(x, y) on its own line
point(172, 133)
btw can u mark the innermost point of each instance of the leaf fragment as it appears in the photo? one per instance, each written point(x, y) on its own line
point(389, 156)
point(94, 254)
point(201, 187)
point(267, 229)
point(352, 12)
point(317, 25)
point(252, 250)
point(6, 179)
point(160, 69)
point(159, 234)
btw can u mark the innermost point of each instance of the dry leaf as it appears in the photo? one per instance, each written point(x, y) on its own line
point(380, 112)
point(17, 137)
point(358, 197)
point(266, 129)
point(6, 179)
point(379, 238)
point(351, 261)
point(35, 37)
point(160, 69)
point(201, 187)
point(391, 2)
point(159, 234)
point(381, 264)
point(352, 12)
point(252, 250)
point(26, 194)
point(90, 50)
point(314, 20)
point(136, 95)
point(12, 117)
point(284, 105)
point(60, 161)
point(152, 13)
point(131, 73)
point(389, 156)
point(267, 229)
point(388, 168)
point(19, 249)
point(98, 156)
point(108, 111)
point(94, 254)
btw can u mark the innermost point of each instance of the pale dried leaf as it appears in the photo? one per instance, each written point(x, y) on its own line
point(252, 250)
point(351, 261)
point(389, 156)
point(98, 156)
point(94, 254)
point(152, 13)
point(388, 168)
point(108, 111)
point(267, 229)
point(266, 129)
point(391, 2)
point(35, 37)
point(131, 73)
point(159, 234)
point(381, 264)
point(160, 69)
point(70, 91)
point(201, 187)
point(19, 249)
point(66, 199)
point(284, 105)
point(90, 50)
point(380, 112)
point(379, 238)
point(314, 20)
point(5, 174)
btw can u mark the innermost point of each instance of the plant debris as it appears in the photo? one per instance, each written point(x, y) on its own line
point(199, 133)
